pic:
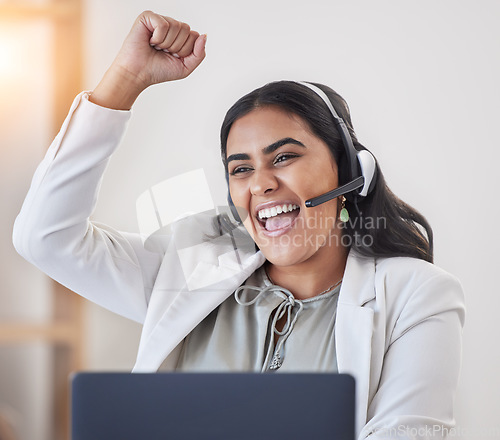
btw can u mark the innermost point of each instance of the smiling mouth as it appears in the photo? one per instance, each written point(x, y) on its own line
point(278, 217)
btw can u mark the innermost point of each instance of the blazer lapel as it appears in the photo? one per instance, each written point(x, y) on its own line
point(354, 327)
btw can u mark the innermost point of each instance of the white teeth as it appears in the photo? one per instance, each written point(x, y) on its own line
point(276, 210)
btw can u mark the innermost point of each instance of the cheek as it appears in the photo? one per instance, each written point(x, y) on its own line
point(240, 199)
point(327, 172)
point(237, 195)
point(315, 180)
point(330, 220)
point(324, 179)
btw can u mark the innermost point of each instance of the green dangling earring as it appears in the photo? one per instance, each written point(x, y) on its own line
point(344, 214)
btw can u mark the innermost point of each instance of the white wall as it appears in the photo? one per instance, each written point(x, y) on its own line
point(421, 81)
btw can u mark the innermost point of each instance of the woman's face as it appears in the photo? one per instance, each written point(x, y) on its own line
point(275, 164)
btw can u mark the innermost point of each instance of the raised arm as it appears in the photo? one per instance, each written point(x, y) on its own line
point(53, 231)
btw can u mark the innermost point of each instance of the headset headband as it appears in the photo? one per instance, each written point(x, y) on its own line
point(351, 152)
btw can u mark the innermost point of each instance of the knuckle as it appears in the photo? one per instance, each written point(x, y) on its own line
point(175, 26)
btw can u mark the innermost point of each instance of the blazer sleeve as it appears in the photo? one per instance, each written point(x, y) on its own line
point(54, 232)
point(421, 365)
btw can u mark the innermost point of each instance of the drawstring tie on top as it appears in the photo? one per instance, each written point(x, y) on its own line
point(285, 308)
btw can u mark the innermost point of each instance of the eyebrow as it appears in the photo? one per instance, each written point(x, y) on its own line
point(266, 150)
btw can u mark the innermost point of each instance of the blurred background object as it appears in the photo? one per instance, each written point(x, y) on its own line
point(41, 327)
point(7, 424)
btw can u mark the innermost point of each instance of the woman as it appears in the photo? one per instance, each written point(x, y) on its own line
point(298, 287)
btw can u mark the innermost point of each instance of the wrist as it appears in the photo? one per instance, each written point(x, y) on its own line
point(117, 90)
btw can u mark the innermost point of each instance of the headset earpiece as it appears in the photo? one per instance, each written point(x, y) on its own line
point(368, 167)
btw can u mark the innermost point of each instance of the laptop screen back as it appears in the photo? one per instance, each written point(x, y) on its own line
point(195, 406)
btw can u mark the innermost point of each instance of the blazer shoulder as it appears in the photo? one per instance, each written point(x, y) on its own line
point(410, 281)
point(411, 270)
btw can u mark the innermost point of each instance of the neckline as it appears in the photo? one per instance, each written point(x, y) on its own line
point(331, 291)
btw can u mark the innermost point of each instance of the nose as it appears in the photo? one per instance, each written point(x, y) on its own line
point(263, 182)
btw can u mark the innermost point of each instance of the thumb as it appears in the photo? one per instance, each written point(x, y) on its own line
point(193, 60)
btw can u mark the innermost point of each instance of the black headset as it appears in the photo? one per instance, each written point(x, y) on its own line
point(362, 165)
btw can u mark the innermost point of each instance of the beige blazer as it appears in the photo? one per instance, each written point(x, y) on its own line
point(399, 320)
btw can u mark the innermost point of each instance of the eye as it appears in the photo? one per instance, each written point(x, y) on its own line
point(240, 170)
point(283, 157)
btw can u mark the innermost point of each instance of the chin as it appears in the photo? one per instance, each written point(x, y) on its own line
point(283, 256)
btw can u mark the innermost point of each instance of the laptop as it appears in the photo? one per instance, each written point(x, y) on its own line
point(218, 406)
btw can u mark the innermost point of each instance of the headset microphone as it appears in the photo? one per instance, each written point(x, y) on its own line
point(348, 187)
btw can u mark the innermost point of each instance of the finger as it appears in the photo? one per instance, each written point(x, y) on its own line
point(180, 39)
point(174, 27)
point(158, 26)
point(188, 46)
point(197, 56)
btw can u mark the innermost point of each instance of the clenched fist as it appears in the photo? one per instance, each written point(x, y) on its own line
point(157, 49)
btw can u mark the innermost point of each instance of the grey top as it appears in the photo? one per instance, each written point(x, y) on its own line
point(241, 334)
